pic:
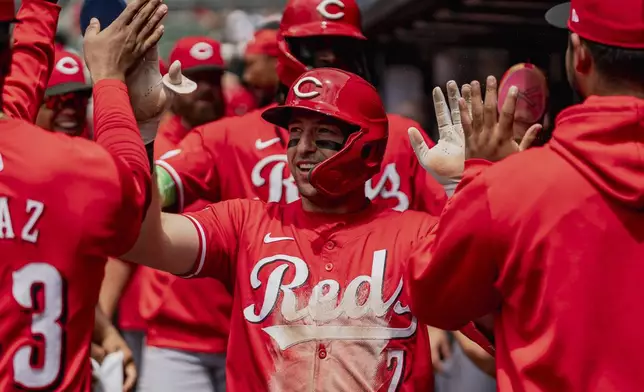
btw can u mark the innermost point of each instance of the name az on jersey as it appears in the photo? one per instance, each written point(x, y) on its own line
point(33, 210)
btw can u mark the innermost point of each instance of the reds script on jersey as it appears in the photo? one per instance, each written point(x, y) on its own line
point(319, 302)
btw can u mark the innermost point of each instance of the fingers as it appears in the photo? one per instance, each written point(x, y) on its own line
point(418, 144)
point(129, 13)
point(175, 73)
point(490, 106)
point(477, 108)
point(453, 95)
point(144, 15)
point(506, 122)
point(466, 119)
point(445, 350)
point(442, 111)
point(153, 23)
point(97, 352)
point(153, 39)
point(130, 377)
point(93, 28)
point(530, 136)
point(466, 91)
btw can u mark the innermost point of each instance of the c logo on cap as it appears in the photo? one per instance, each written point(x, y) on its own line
point(310, 94)
point(201, 51)
point(324, 4)
point(67, 66)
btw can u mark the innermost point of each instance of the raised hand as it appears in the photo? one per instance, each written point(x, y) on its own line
point(112, 52)
point(488, 134)
point(444, 161)
point(151, 93)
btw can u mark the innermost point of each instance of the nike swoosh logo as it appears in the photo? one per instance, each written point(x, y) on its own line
point(260, 145)
point(268, 239)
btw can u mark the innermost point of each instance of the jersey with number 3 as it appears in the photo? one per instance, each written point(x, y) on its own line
point(319, 300)
point(65, 204)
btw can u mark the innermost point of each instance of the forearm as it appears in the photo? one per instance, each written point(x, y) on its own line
point(166, 242)
point(117, 276)
point(484, 361)
point(102, 326)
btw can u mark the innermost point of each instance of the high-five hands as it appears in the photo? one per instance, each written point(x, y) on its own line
point(110, 53)
point(469, 128)
point(445, 160)
point(151, 93)
point(488, 134)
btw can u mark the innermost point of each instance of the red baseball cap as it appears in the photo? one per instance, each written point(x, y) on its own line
point(197, 53)
point(68, 75)
point(7, 11)
point(264, 42)
point(610, 23)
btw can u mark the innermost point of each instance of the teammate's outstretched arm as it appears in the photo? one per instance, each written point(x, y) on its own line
point(32, 59)
point(459, 265)
point(167, 242)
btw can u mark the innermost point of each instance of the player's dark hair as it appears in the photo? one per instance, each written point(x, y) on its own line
point(618, 64)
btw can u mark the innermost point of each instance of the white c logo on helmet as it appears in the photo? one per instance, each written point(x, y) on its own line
point(310, 94)
point(67, 66)
point(201, 51)
point(324, 4)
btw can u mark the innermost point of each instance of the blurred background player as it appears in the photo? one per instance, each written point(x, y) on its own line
point(68, 93)
point(260, 70)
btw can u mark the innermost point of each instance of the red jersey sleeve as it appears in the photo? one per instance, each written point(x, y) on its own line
point(452, 273)
point(127, 166)
point(32, 59)
point(170, 133)
point(193, 170)
point(219, 226)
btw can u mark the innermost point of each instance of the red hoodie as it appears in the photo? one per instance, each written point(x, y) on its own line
point(552, 241)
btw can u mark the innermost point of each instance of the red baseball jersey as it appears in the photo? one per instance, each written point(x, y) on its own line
point(319, 300)
point(551, 242)
point(171, 306)
point(65, 203)
point(245, 157)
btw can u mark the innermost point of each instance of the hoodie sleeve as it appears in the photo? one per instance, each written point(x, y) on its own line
point(32, 59)
point(452, 277)
point(169, 135)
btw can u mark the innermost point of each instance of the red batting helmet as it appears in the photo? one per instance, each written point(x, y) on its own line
point(310, 18)
point(349, 98)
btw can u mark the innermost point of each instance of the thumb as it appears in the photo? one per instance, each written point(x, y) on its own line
point(93, 28)
point(418, 144)
point(529, 137)
point(175, 73)
point(176, 82)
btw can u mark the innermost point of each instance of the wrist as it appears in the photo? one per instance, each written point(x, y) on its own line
point(98, 76)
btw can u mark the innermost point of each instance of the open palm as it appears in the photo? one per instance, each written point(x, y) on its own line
point(444, 161)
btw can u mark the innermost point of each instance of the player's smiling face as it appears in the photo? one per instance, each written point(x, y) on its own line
point(312, 139)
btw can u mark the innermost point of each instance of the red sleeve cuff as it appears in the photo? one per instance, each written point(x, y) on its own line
point(110, 82)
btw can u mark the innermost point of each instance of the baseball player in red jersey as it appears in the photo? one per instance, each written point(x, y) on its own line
point(260, 66)
point(65, 105)
point(244, 157)
point(319, 301)
point(559, 266)
point(51, 278)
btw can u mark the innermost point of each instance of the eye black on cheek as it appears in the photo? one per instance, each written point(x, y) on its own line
point(293, 142)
